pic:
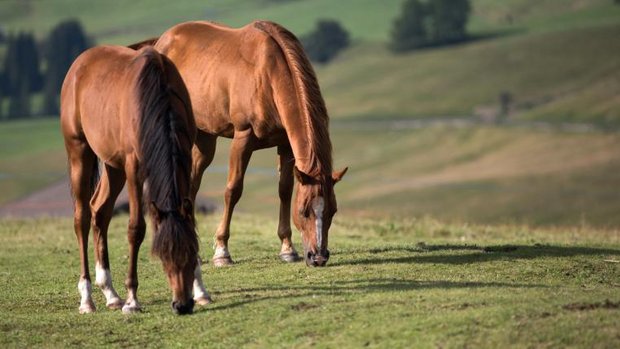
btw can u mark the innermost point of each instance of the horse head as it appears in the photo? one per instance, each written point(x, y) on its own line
point(314, 207)
point(176, 244)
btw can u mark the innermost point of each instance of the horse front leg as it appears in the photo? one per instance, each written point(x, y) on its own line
point(240, 153)
point(202, 156)
point(135, 235)
point(102, 207)
point(286, 162)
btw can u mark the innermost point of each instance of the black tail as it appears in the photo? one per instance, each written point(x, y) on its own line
point(165, 154)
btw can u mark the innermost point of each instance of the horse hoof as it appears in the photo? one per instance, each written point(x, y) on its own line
point(203, 300)
point(115, 304)
point(222, 261)
point(131, 309)
point(87, 308)
point(291, 257)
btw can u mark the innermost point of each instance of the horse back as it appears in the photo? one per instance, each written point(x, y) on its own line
point(100, 99)
point(229, 74)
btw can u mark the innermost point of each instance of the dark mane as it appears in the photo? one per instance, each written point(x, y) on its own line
point(141, 44)
point(165, 164)
point(311, 103)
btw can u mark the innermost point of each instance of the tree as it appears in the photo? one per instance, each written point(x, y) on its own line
point(409, 30)
point(22, 74)
point(327, 39)
point(430, 23)
point(447, 21)
point(66, 41)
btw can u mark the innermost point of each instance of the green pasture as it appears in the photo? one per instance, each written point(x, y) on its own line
point(390, 284)
point(478, 174)
point(31, 156)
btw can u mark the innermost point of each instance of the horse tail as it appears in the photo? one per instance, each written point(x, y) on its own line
point(141, 44)
point(165, 142)
point(311, 103)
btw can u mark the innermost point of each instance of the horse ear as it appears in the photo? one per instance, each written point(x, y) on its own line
point(302, 177)
point(188, 207)
point(337, 176)
point(155, 212)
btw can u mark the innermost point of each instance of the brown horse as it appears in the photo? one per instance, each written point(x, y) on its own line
point(131, 110)
point(256, 86)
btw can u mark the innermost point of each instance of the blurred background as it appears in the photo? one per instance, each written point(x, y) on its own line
point(479, 111)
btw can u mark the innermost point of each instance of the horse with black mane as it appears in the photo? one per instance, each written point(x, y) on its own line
point(256, 86)
point(131, 111)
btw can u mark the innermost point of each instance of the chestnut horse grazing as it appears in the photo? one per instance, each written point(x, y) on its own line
point(256, 86)
point(131, 110)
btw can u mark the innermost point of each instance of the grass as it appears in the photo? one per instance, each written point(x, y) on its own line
point(486, 175)
point(31, 156)
point(560, 76)
point(389, 283)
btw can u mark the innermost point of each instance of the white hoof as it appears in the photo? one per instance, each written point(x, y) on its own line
point(114, 303)
point(87, 308)
point(132, 308)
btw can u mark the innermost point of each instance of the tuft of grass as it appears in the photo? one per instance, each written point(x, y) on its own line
point(389, 283)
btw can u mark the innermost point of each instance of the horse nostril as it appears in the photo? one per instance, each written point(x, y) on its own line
point(183, 309)
point(309, 255)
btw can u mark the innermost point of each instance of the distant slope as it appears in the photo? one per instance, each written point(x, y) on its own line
point(477, 175)
point(564, 75)
point(559, 59)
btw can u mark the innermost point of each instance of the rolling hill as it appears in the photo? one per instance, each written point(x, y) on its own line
point(558, 59)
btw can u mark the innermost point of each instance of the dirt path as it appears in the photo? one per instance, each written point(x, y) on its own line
point(55, 201)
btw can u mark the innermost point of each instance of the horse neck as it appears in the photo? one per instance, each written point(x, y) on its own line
point(310, 143)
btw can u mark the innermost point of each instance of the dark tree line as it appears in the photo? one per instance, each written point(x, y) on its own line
point(325, 41)
point(430, 23)
point(21, 74)
point(421, 23)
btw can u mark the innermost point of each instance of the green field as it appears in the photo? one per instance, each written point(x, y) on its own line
point(397, 283)
point(449, 234)
point(471, 174)
point(31, 157)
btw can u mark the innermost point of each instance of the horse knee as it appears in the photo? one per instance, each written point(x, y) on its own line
point(136, 232)
point(233, 193)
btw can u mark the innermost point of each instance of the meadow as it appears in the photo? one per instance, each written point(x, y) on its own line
point(389, 283)
point(450, 232)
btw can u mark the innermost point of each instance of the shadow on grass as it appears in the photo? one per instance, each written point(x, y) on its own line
point(478, 253)
point(348, 287)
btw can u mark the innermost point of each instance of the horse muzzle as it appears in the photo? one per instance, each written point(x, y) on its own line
point(183, 309)
point(317, 259)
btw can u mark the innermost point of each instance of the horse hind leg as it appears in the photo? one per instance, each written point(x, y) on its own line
point(285, 191)
point(82, 167)
point(240, 152)
point(102, 206)
point(135, 234)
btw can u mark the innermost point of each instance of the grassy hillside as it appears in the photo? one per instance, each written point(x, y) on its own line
point(388, 284)
point(558, 58)
point(567, 75)
point(31, 156)
point(470, 174)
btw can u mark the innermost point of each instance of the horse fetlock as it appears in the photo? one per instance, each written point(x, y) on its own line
point(201, 296)
point(221, 252)
point(86, 301)
point(288, 253)
point(221, 257)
